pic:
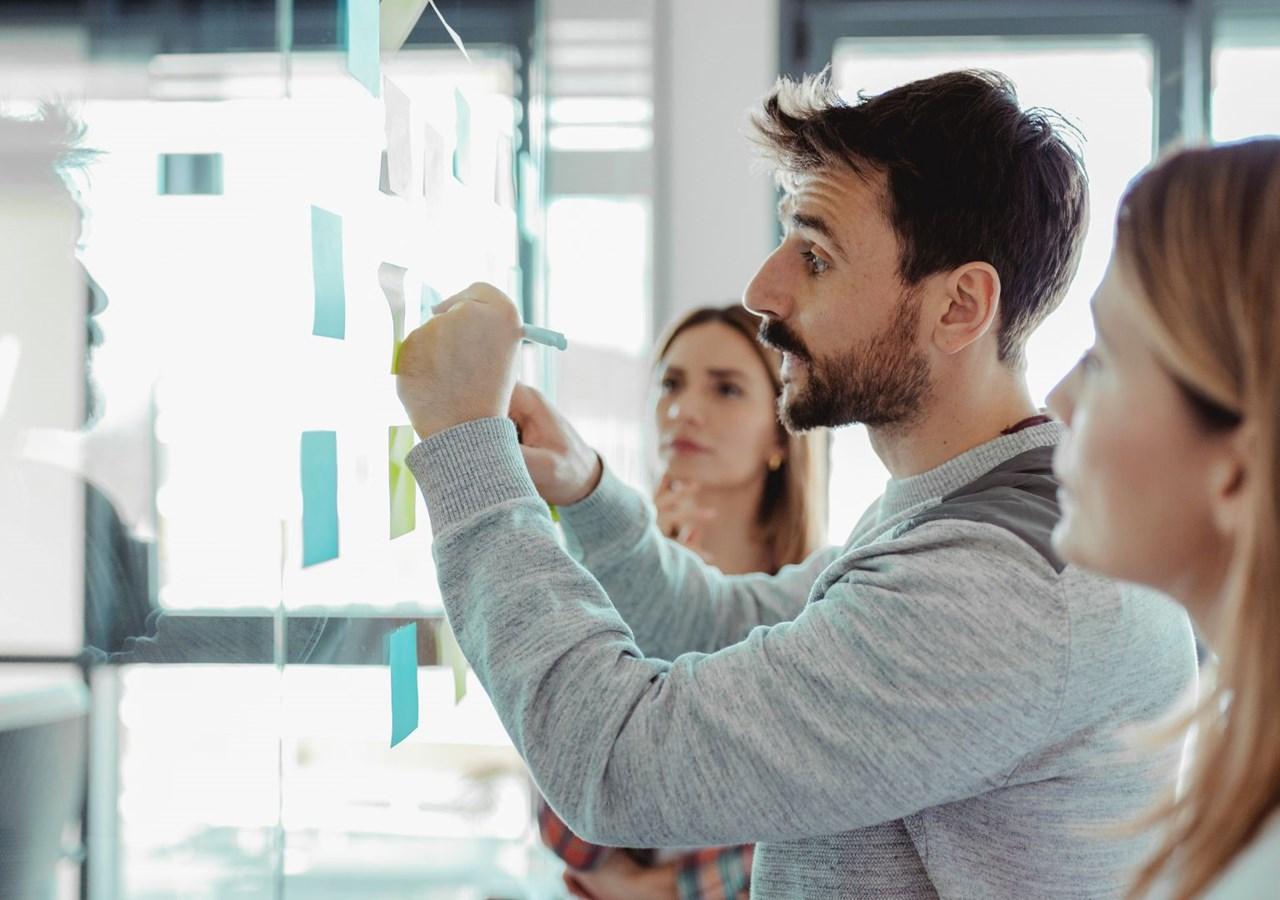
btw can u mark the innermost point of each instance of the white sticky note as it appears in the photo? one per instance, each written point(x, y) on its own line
point(392, 279)
point(434, 171)
point(399, 129)
point(397, 19)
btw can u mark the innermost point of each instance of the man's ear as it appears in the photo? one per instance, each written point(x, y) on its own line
point(970, 306)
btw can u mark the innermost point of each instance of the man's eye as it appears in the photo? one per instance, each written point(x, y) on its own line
point(817, 265)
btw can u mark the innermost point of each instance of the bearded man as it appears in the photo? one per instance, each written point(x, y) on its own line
point(932, 709)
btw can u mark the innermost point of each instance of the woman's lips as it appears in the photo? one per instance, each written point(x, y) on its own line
point(686, 446)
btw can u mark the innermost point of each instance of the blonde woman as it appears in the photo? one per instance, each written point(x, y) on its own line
point(745, 494)
point(1171, 476)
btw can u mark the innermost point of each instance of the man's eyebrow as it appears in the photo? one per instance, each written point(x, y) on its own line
point(818, 224)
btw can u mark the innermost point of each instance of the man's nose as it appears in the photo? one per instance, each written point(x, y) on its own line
point(766, 294)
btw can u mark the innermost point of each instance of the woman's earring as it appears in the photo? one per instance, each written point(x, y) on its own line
point(775, 462)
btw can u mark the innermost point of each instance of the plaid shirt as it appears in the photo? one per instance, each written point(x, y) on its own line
point(716, 873)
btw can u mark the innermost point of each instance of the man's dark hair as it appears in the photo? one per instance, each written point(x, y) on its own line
point(971, 177)
point(41, 152)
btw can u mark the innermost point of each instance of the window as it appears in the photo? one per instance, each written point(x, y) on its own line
point(1103, 87)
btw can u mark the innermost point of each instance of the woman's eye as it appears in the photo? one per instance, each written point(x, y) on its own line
point(817, 265)
point(668, 384)
point(1089, 363)
point(726, 389)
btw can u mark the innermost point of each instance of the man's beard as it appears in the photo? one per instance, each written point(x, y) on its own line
point(882, 383)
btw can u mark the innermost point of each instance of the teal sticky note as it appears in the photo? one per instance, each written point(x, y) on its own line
point(403, 488)
point(319, 497)
point(462, 148)
point(189, 173)
point(429, 298)
point(402, 657)
point(360, 21)
point(330, 319)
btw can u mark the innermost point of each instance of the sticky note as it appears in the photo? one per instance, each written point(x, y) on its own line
point(403, 490)
point(433, 164)
point(326, 271)
point(402, 658)
point(360, 20)
point(384, 176)
point(457, 40)
point(189, 173)
point(462, 147)
point(448, 653)
point(319, 497)
point(397, 118)
point(397, 19)
point(430, 298)
point(392, 278)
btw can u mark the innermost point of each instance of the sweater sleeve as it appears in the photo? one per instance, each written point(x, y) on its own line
point(921, 676)
point(672, 599)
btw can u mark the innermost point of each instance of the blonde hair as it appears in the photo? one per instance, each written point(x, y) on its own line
point(1200, 233)
point(792, 510)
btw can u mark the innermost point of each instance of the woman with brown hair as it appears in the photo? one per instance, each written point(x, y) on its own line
point(1171, 477)
point(747, 496)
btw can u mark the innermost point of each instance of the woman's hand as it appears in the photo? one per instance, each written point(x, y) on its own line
point(622, 878)
point(564, 469)
point(681, 515)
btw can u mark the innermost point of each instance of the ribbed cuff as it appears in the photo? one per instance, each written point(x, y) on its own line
point(612, 512)
point(468, 469)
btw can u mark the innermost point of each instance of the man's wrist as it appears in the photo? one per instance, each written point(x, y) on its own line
point(592, 482)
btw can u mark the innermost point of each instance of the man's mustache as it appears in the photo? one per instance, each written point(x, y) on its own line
point(773, 333)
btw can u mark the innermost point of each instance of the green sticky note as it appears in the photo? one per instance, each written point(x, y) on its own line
point(448, 653)
point(402, 658)
point(330, 318)
point(360, 21)
point(403, 489)
point(319, 497)
point(462, 148)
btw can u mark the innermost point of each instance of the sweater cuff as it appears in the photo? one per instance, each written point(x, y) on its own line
point(612, 512)
point(469, 468)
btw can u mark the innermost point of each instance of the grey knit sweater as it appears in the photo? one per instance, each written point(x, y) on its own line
point(933, 710)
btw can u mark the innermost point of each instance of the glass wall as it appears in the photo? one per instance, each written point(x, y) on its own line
point(278, 195)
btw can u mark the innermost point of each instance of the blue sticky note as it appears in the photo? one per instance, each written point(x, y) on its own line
point(402, 656)
point(189, 173)
point(319, 497)
point(462, 148)
point(360, 19)
point(326, 271)
point(430, 297)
